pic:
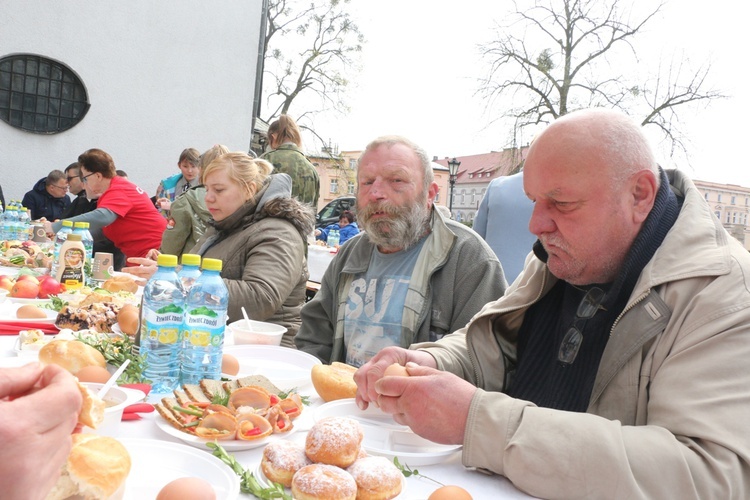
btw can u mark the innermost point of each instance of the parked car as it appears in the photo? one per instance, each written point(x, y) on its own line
point(330, 213)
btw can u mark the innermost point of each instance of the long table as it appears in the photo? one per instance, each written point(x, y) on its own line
point(450, 471)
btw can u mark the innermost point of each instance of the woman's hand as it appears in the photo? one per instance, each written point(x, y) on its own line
point(143, 268)
point(48, 228)
point(164, 204)
point(153, 254)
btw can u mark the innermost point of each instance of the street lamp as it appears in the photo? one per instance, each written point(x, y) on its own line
point(453, 173)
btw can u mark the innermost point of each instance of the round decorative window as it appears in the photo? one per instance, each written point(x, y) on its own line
point(40, 95)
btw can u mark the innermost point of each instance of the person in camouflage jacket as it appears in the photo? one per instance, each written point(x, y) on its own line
point(287, 157)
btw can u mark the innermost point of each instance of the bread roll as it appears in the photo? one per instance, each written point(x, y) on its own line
point(120, 283)
point(128, 318)
point(97, 467)
point(30, 311)
point(334, 381)
point(71, 355)
point(320, 481)
point(334, 441)
point(92, 408)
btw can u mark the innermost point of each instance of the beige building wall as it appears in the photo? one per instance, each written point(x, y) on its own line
point(730, 203)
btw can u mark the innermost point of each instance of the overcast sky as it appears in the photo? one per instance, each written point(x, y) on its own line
point(420, 67)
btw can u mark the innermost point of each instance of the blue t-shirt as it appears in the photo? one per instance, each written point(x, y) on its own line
point(375, 304)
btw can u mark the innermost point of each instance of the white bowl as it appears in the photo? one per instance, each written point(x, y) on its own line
point(117, 398)
point(257, 332)
point(3, 294)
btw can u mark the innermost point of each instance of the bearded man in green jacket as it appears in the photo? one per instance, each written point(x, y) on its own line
point(615, 366)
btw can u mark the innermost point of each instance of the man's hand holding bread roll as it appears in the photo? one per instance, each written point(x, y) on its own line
point(39, 407)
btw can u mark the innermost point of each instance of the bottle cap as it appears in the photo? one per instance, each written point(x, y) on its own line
point(84, 225)
point(67, 223)
point(74, 237)
point(167, 260)
point(212, 264)
point(190, 259)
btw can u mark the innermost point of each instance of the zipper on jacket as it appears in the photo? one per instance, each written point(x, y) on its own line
point(628, 308)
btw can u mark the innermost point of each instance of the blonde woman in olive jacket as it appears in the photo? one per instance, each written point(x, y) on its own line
point(260, 234)
point(262, 244)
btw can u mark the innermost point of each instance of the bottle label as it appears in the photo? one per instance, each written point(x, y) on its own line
point(162, 325)
point(204, 327)
point(72, 274)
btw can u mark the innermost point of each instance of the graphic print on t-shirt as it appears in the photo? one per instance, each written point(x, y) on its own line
point(375, 304)
point(373, 316)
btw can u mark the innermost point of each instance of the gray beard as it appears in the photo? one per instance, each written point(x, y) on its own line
point(404, 229)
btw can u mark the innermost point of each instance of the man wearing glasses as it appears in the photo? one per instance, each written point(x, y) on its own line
point(616, 365)
point(48, 198)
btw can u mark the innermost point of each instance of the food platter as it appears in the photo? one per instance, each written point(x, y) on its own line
point(227, 444)
point(8, 313)
point(156, 463)
point(266, 483)
point(385, 437)
point(286, 368)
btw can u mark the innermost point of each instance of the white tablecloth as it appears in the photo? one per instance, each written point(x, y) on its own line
point(318, 258)
point(480, 485)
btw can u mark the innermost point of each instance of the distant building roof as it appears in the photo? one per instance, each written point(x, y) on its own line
point(487, 166)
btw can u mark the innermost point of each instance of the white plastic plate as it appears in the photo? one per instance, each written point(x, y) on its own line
point(8, 313)
point(37, 302)
point(385, 437)
point(156, 463)
point(227, 444)
point(286, 368)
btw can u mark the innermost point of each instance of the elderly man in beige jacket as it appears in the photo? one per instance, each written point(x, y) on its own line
point(616, 366)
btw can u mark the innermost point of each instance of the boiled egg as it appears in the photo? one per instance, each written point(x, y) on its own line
point(187, 488)
point(95, 374)
point(450, 493)
point(396, 370)
point(230, 365)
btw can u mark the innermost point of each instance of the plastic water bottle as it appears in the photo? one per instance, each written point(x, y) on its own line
point(24, 224)
point(11, 222)
point(160, 335)
point(82, 228)
point(2, 222)
point(333, 238)
point(205, 320)
point(60, 238)
point(191, 270)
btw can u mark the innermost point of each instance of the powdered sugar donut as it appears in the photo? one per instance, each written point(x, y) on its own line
point(377, 478)
point(321, 481)
point(281, 459)
point(334, 441)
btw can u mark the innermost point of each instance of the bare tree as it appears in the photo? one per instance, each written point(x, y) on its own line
point(310, 48)
point(560, 55)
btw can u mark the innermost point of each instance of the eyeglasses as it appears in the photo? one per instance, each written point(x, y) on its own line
point(571, 343)
point(71, 177)
point(61, 188)
point(84, 177)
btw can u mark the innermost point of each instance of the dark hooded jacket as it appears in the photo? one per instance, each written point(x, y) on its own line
point(42, 204)
point(263, 246)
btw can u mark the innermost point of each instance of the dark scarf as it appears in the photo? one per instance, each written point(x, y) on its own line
point(540, 377)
